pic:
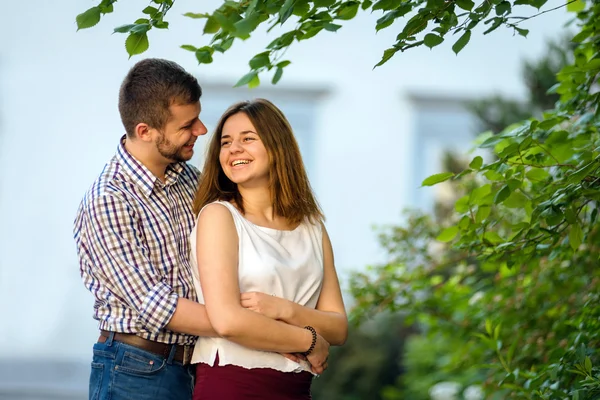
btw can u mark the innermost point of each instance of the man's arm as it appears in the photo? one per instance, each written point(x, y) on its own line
point(120, 251)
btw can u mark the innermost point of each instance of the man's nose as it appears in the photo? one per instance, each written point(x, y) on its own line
point(200, 129)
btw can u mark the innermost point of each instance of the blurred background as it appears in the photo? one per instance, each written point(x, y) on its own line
point(368, 137)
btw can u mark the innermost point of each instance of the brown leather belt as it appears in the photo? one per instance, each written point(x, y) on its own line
point(183, 353)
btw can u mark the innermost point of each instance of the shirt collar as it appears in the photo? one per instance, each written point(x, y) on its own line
point(142, 175)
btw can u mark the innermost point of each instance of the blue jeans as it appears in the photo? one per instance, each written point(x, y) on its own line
point(121, 371)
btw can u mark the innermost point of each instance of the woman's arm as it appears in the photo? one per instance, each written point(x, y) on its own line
point(329, 318)
point(217, 253)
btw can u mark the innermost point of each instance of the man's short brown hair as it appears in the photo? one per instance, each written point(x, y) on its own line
point(150, 88)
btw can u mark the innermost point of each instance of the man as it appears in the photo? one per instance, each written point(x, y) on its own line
point(131, 232)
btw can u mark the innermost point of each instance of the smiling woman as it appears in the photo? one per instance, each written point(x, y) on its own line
point(264, 262)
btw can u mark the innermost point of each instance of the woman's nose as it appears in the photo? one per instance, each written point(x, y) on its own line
point(235, 147)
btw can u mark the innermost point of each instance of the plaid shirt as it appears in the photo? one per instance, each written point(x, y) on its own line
point(132, 235)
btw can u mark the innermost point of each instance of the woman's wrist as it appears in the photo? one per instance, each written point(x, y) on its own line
point(313, 340)
point(287, 312)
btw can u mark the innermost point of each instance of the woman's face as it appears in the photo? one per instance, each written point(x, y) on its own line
point(243, 156)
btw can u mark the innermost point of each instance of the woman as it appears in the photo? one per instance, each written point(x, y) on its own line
point(265, 263)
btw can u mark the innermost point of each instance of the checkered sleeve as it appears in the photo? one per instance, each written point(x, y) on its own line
point(120, 251)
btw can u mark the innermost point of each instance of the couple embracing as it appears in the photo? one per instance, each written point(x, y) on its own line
point(215, 285)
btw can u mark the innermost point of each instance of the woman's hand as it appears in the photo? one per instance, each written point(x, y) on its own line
point(318, 357)
point(267, 305)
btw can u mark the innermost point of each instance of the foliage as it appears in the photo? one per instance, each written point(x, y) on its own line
point(429, 23)
point(514, 272)
point(366, 363)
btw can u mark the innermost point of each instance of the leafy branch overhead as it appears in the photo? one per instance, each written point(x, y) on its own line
point(427, 23)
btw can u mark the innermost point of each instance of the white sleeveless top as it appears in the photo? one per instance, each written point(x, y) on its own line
point(287, 264)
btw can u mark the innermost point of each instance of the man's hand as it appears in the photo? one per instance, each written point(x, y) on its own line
point(267, 305)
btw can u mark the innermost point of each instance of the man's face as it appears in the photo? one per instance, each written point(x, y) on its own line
point(176, 140)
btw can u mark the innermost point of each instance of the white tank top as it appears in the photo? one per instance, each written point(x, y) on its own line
point(287, 264)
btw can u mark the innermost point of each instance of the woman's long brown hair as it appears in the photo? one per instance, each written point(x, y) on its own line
point(291, 194)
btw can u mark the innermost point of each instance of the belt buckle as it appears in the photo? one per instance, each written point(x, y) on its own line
point(187, 354)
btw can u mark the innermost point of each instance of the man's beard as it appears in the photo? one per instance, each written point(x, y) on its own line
point(169, 150)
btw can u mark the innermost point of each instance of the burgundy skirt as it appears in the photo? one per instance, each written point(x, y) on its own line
point(230, 382)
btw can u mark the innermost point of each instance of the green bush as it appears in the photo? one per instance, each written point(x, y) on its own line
point(510, 281)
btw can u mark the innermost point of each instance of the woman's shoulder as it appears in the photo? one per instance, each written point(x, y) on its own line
point(219, 211)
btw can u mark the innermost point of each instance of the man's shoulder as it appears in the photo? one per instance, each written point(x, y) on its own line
point(111, 182)
point(190, 174)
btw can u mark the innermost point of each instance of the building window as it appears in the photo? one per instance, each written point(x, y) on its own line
point(441, 125)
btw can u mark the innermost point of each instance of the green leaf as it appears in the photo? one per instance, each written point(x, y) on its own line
point(283, 64)
point(482, 213)
point(277, 76)
point(136, 43)
point(492, 142)
point(493, 238)
point(254, 82)
point(521, 31)
point(196, 15)
point(161, 24)
point(211, 25)
point(387, 55)
point(331, 27)
point(462, 204)
point(478, 195)
point(188, 47)
point(431, 40)
point(462, 42)
point(387, 20)
point(503, 8)
point(245, 26)
point(151, 11)
point(224, 45)
point(448, 234)
point(204, 55)
point(301, 8)
point(575, 236)
point(124, 28)
point(385, 5)
point(581, 36)
point(582, 173)
point(366, 4)
point(502, 194)
point(140, 28)
point(348, 10)
point(310, 33)
point(465, 4)
point(246, 78)
point(437, 178)
point(516, 200)
point(576, 6)
point(588, 365)
point(260, 60)
point(286, 10)
point(537, 174)
point(106, 8)
point(88, 18)
point(476, 163)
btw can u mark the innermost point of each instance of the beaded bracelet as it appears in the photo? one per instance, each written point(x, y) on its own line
point(314, 340)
